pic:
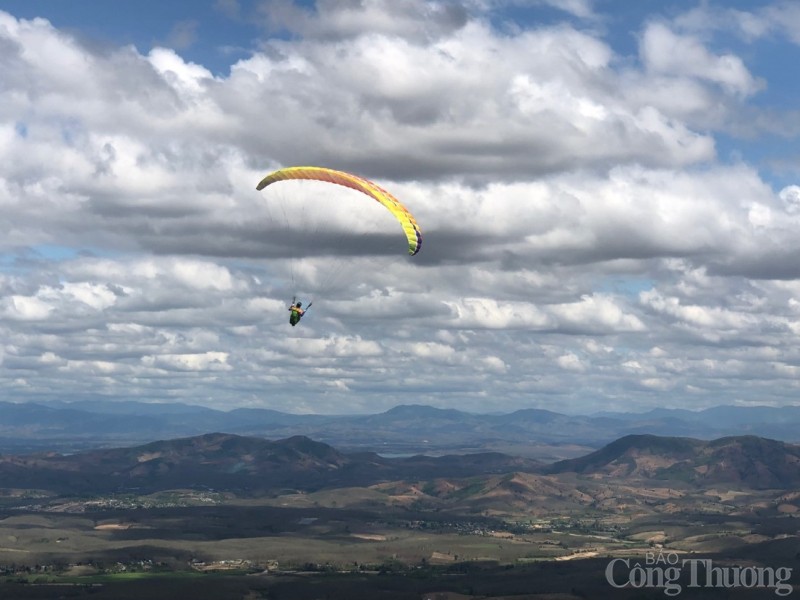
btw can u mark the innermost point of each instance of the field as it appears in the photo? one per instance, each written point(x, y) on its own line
point(207, 545)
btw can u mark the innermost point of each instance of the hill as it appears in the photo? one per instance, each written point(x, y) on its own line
point(740, 461)
point(231, 462)
point(253, 465)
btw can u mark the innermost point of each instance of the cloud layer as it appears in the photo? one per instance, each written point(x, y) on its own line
point(585, 245)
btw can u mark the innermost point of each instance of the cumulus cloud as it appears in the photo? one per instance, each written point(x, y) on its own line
point(665, 52)
point(582, 239)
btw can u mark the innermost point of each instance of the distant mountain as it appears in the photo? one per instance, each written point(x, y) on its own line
point(405, 429)
point(742, 461)
point(722, 416)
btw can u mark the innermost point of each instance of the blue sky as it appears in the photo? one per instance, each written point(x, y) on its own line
point(608, 192)
point(202, 31)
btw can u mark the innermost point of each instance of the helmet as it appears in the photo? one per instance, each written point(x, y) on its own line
point(299, 304)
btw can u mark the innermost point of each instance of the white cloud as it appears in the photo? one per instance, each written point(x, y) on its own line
point(577, 216)
point(94, 295)
point(579, 8)
point(431, 351)
point(790, 196)
point(332, 19)
point(666, 52)
point(26, 308)
point(206, 361)
point(571, 362)
point(484, 313)
point(597, 313)
point(495, 364)
point(778, 18)
point(333, 347)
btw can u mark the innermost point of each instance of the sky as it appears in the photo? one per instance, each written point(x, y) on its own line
point(608, 193)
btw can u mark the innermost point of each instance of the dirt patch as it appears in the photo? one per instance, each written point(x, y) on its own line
point(113, 526)
point(373, 537)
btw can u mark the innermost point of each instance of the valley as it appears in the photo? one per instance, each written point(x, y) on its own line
point(464, 529)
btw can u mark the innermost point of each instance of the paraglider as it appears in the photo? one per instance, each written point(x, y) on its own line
point(403, 216)
point(297, 311)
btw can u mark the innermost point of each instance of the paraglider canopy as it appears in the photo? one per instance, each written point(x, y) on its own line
point(400, 212)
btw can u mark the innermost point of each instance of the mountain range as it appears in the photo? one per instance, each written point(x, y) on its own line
point(405, 429)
